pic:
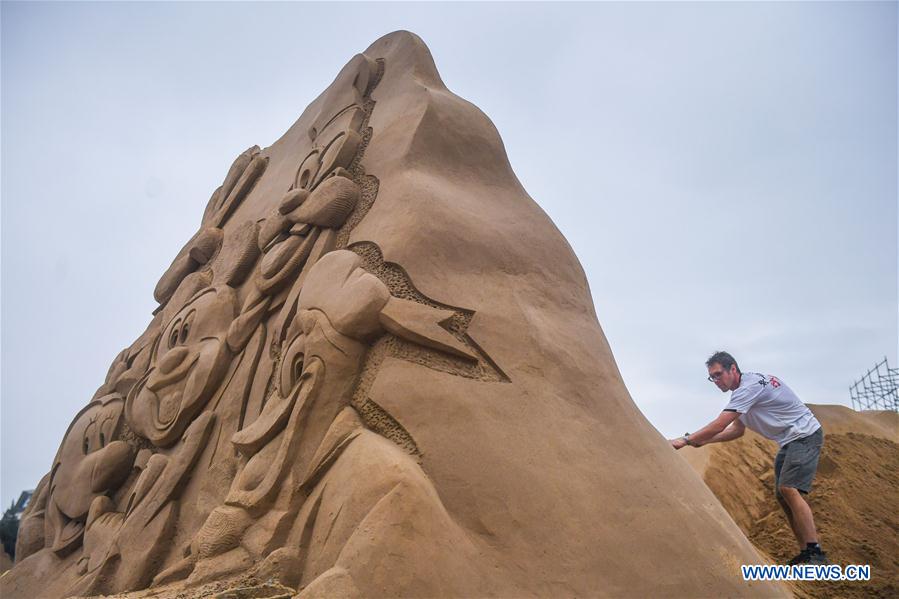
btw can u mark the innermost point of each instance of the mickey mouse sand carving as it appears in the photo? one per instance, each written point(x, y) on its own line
point(189, 361)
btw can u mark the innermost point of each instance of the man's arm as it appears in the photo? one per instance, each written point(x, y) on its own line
point(733, 431)
point(712, 430)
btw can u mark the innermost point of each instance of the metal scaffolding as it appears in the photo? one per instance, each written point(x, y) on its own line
point(877, 390)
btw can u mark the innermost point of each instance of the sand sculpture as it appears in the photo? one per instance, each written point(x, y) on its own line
point(375, 370)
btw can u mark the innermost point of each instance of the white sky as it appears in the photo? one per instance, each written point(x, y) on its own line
point(726, 174)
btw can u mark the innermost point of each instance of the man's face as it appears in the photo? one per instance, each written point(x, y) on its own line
point(727, 379)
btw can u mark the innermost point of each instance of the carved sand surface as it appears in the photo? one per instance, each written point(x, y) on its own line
point(375, 370)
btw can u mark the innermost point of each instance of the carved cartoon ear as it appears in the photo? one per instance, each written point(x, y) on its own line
point(197, 252)
point(181, 267)
point(228, 202)
point(187, 288)
point(206, 245)
point(238, 167)
point(420, 324)
point(245, 240)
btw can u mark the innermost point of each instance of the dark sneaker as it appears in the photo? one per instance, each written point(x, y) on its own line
point(809, 556)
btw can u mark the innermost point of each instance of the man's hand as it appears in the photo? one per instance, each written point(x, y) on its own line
point(678, 443)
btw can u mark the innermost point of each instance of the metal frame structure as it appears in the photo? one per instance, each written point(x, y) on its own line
point(878, 389)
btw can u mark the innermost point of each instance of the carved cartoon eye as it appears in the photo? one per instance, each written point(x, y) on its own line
point(89, 437)
point(108, 423)
point(307, 171)
point(174, 335)
point(297, 367)
point(185, 328)
point(292, 367)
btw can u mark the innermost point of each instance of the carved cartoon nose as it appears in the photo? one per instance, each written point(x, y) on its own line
point(172, 359)
point(111, 466)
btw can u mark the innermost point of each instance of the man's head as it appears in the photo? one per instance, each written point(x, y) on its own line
point(723, 371)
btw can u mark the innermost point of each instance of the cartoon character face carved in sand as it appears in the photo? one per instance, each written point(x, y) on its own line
point(91, 462)
point(342, 308)
point(309, 418)
point(188, 365)
point(317, 375)
point(323, 193)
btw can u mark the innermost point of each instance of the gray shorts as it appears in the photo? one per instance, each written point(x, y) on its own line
point(797, 462)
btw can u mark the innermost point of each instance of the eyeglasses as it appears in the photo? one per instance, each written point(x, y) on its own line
point(716, 375)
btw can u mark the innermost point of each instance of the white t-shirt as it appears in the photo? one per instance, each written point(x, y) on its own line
point(771, 409)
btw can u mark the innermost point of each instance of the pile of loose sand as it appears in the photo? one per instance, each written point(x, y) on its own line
point(854, 498)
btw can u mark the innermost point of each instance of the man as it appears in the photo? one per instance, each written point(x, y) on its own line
point(770, 408)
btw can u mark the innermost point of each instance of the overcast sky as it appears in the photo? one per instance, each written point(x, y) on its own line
point(726, 173)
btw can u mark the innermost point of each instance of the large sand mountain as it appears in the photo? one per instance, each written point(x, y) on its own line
point(376, 370)
point(854, 498)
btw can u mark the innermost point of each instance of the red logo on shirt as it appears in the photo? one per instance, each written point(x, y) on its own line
point(774, 382)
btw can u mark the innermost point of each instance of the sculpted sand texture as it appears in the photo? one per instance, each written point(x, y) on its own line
point(375, 370)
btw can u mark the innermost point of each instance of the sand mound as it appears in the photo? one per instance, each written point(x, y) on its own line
point(854, 497)
point(840, 419)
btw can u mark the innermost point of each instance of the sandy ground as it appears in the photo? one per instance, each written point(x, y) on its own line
point(854, 498)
